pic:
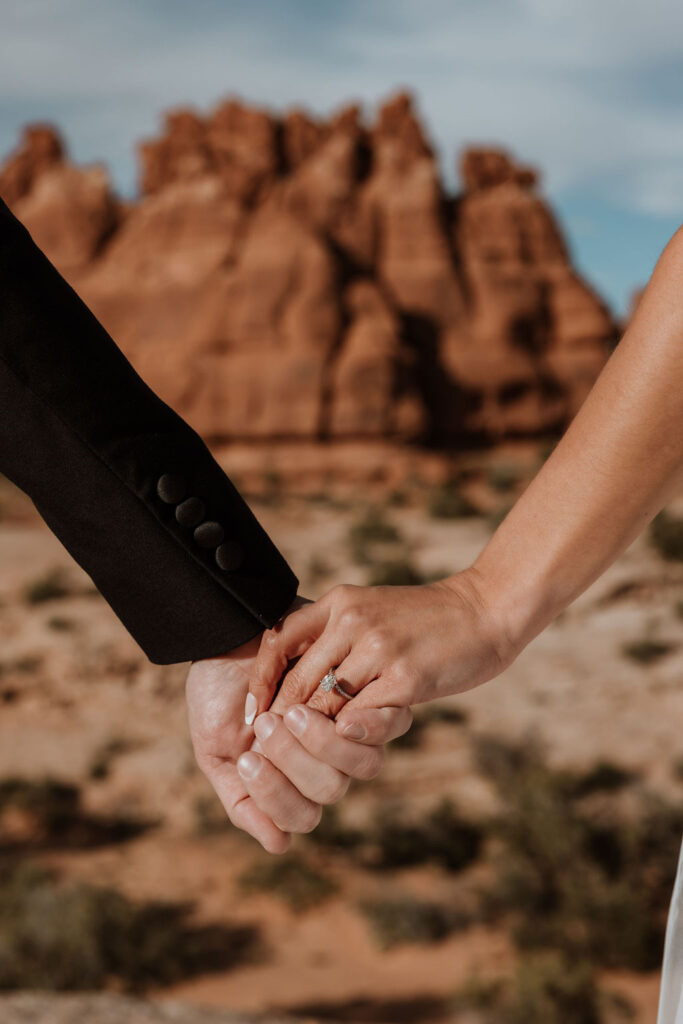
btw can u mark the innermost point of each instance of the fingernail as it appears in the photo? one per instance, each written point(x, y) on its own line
point(295, 720)
point(249, 765)
point(264, 726)
point(355, 731)
point(250, 709)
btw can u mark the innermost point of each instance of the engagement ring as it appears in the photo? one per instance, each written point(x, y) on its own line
point(329, 683)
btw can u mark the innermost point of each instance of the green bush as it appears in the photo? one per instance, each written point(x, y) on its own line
point(401, 919)
point(423, 719)
point(442, 838)
point(333, 834)
point(666, 534)
point(56, 819)
point(397, 573)
point(291, 878)
point(371, 532)
point(503, 477)
point(106, 754)
point(586, 886)
point(60, 624)
point(646, 651)
point(49, 587)
point(71, 936)
point(552, 989)
point(448, 502)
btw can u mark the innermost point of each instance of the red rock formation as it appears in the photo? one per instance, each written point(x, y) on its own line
point(294, 278)
point(69, 211)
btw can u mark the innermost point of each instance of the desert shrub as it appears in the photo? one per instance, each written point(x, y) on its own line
point(423, 719)
point(54, 817)
point(49, 587)
point(397, 498)
point(210, 817)
point(436, 712)
point(442, 837)
point(272, 488)
point(647, 651)
point(399, 572)
point(71, 936)
point(372, 530)
point(291, 878)
point(586, 886)
point(448, 502)
point(401, 919)
point(666, 534)
point(318, 569)
point(60, 624)
point(552, 989)
point(333, 834)
point(106, 754)
point(26, 663)
point(503, 477)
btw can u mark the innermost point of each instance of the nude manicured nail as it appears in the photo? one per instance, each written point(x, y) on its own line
point(295, 720)
point(250, 709)
point(264, 726)
point(249, 765)
point(355, 731)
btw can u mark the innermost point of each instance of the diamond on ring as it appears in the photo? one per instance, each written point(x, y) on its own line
point(329, 682)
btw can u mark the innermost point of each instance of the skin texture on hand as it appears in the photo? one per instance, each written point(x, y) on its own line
point(277, 787)
point(392, 646)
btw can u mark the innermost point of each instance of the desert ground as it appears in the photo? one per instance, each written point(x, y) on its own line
point(345, 928)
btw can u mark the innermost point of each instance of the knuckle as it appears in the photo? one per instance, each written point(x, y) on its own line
point(350, 618)
point(270, 640)
point(309, 818)
point(377, 641)
point(403, 684)
point(334, 790)
point(341, 591)
point(404, 676)
point(370, 763)
point(405, 721)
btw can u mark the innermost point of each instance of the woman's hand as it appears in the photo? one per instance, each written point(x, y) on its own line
point(276, 785)
point(390, 646)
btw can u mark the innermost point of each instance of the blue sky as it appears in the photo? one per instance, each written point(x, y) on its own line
point(590, 91)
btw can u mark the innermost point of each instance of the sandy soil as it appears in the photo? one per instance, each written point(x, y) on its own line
point(72, 682)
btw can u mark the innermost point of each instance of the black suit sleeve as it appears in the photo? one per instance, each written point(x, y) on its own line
point(129, 488)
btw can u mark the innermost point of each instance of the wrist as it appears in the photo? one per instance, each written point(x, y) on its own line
point(508, 604)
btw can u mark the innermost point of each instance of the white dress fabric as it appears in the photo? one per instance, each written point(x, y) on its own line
point(671, 991)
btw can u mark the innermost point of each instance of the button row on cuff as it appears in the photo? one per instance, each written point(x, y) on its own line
point(190, 513)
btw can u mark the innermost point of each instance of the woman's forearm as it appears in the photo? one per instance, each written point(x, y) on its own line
point(618, 464)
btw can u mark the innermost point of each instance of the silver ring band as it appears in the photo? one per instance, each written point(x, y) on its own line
point(329, 682)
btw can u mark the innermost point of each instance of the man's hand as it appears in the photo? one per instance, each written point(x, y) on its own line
point(306, 762)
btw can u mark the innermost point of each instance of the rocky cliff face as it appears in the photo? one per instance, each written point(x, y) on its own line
point(288, 278)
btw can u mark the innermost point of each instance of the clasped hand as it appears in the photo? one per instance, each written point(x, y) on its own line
point(276, 783)
point(391, 647)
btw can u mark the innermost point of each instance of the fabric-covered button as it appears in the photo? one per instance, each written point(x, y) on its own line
point(171, 488)
point(190, 512)
point(209, 534)
point(229, 556)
